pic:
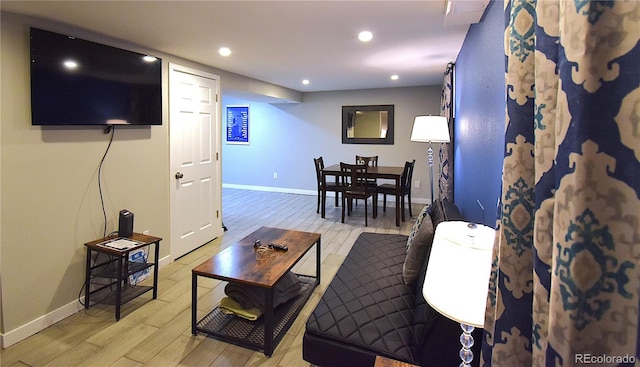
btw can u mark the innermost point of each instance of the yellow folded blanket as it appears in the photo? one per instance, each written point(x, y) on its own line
point(229, 306)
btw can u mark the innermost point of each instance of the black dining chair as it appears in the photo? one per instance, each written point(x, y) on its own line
point(354, 187)
point(324, 186)
point(405, 189)
point(371, 161)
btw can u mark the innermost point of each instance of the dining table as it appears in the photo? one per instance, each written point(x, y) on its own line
point(374, 172)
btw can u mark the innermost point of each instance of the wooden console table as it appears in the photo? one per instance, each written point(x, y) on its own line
point(117, 268)
point(237, 263)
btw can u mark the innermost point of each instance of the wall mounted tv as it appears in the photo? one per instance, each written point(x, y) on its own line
point(78, 82)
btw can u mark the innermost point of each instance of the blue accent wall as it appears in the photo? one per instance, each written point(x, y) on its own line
point(479, 100)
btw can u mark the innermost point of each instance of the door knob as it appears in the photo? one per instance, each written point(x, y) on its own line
point(179, 175)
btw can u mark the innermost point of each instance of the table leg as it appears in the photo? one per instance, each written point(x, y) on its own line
point(268, 322)
point(155, 270)
point(318, 261)
point(119, 287)
point(324, 195)
point(87, 281)
point(194, 302)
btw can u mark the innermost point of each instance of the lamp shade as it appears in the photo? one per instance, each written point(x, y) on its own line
point(430, 129)
point(457, 279)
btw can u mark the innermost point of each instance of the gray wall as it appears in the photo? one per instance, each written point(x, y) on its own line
point(284, 138)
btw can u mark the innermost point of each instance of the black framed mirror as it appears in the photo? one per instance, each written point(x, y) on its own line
point(370, 124)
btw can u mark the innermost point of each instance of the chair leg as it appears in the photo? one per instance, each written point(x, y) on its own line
point(375, 206)
point(402, 207)
point(409, 202)
point(366, 216)
point(318, 206)
point(343, 205)
point(323, 203)
point(384, 203)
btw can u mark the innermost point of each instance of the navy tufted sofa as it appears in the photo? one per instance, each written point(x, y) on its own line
point(369, 310)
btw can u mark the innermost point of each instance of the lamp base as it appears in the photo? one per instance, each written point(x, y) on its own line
point(466, 339)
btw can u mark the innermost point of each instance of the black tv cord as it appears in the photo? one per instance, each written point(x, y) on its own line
point(111, 129)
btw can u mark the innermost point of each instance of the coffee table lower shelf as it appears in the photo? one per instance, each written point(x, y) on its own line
point(251, 334)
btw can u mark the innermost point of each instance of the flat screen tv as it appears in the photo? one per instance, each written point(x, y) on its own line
point(79, 82)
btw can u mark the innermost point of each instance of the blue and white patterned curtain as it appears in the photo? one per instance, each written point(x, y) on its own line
point(445, 177)
point(566, 279)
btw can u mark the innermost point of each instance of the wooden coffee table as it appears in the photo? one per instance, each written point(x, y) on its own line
point(237, 263)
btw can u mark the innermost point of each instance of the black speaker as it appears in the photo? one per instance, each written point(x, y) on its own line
point(125, 224)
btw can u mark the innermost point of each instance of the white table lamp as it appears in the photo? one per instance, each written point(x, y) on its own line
point(457, 280)
point(430, 129)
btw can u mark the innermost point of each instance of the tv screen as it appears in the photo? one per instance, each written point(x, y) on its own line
point(78, 82)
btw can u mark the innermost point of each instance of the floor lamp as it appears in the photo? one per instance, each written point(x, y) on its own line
point(430, 129)
point(457, 280)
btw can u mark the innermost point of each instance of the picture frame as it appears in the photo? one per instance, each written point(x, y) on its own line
point(238, 124)
point(368, 124)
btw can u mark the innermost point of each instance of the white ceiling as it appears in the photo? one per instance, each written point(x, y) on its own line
point(284, 42)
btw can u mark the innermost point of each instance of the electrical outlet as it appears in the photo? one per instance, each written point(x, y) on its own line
point(275, 175)
point(416, 184)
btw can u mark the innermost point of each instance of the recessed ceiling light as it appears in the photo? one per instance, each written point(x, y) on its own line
point(305, 82)
point(365, 36)
point(224, 51)
point(395, 77)
point(70, 64)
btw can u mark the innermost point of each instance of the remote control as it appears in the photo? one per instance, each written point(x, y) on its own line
point(279, 247)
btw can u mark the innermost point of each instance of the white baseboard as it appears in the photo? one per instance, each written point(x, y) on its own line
point(390, 198)
point(16, 335)
point(31, 328)
point(164, 261)
point(270, 189)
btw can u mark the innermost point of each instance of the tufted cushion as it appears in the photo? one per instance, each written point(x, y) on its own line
point(367, 305)
point(417, 250)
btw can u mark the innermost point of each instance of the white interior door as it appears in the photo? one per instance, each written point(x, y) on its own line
point(194, 130)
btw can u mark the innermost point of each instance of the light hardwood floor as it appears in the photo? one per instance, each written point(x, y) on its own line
point(158, 332)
